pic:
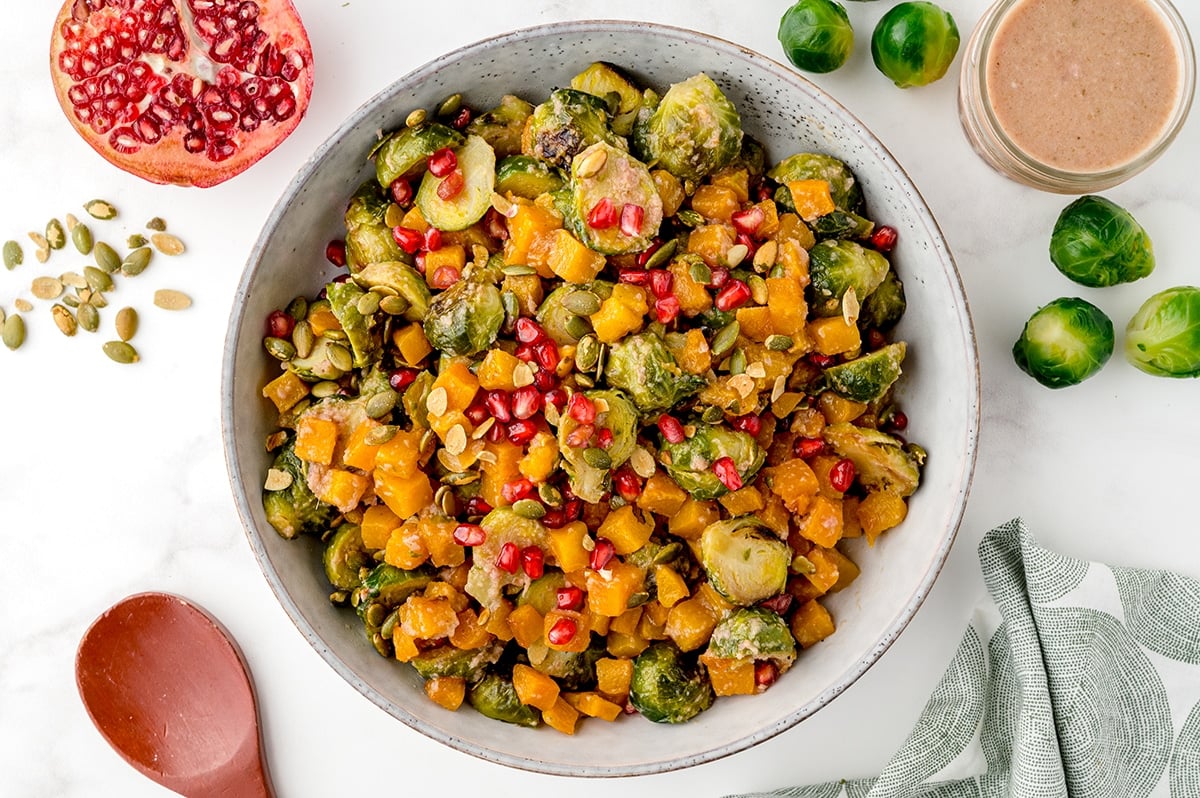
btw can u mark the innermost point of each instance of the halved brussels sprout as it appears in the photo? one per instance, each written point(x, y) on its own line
point(914, 43)
point(404, 280)
point(880, 460)
point(465, 318)
point(559, 320)
point(694, 131)
point(883, 309)
point(295, 510)
point(391, 586)
point(754, 633)
point(405, 152)
point(644, 367)
point(615, 413)
point(485, 581)
point(446, 660)
point(605, 80)
point(477, 162)
point(1064, 342)
point(368, 238)
point(317, 366)
point(501, 127)
point(343, 301)
point(494, 697)
point(604, 173)
point(744, 560)
point(1098, 243)
point(843, 185)
point(566, 123)
point(868, 377)
point(573, 670)
point(835, 266)
point(841, 224)
point(526, 176)
point(541, 592)
point(689, 462)
point(1163, 337)
point(816, 35)
point(345, 556)
point(666, 688)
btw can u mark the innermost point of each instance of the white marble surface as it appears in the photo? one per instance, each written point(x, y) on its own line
point(112, 479)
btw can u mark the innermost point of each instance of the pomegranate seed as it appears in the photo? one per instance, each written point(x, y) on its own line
point(419, 262)
point(808, 447)
point(407, 239)
point(764, 192)
point(765, 673)
point(528, 330)
point(432, 239)
point(335, 252)
point(661, 282)
point(554, 518)
point(748, 242)
point(401, 378)
point(401, 191)
point(580, 436)
point(509, 558)
point(533, 562)
point(749, 220)
point(884, 238)
point(451, 185)
point(581, 408)
point(516, 490)
point(499, 404)
point(750, 423)
point(496, 433)
point(601, 555)
point(461, 119)
point(280, 324)
point(898, 421)
point(603, 215)
point(633, 276)
point(469, 535)
point(442, 162)
point(841, 475)
point(545, 352)
point(732, 295)
point(720, 276)
point(477, 412)
point(631, 219)
point(521, 432)
point(875, 339)
point(524, 352)
point(544, 380)
point(444, 277)
point(568, 598)
point(556, 397)
point(671, 429)
point(562, 632)
point(495, 225)
point(726, 471)
point(779, 603)
point(819, 360)
point(477, 506)
point(604, 438)
point(667, 309)
point(573, 507)
point(627, 483)
point(526, 402)
point(644, 256)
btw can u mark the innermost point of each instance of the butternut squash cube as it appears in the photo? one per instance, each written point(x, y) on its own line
point(827, 573)
point(495, 372)
point(794, 482)
point(438, 536)
point(566, 544)
point(447, 692)
point(495, 475)
point(662, 495)
point(594, 705)
point(404, 496)
point(527, 223)
point(880, 511)
point(833, 336)
point(452, 255)
point(577, 642)
point(285, 391)
point(786, 306)
point(526, 625)
point(322, 320)
point(670, 191)
point(672, 589)
point(405, 549)
point(413, 219)
point(711, 242)
point(428, 618)
point(837, 409)
point(689, 521)
point(378, 523)
point(755, 322)
point(608, 592)
point(540, 461)
point(460, 384)
point(625, 529)
point(623, 645)
point(470, 633)
point(812, 198)
point(690, 623)
point(343, 489)
point(823, 523)
point(715, 202)
point(811, 623)
point(495, 621)
point(404, 644)
point(572, 260)
point(561, 717)
point(411, 344)
point(534, 687)
point(627, 622)
point(743, 501)
point(401, 455)
point(737, 179)
point(730, 676)
point(613, 677)
point(848, 570)
point(358, 453)
point(622, 313)
point(316, 440)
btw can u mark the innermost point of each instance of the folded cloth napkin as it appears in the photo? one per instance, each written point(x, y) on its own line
point(1083, 680)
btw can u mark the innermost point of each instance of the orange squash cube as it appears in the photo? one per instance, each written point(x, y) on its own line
point(755, 322)
point(833, 336)
point(622, 645)
point(322, 320)
point(526, 224)
point(570, 258)
point(670, 191)
point(730, 676)
point(775, 515)
point(428, 618)
point(534, 687)
point(343, 489)
point(689, 521)
point(404, 644)
point(690, 623)
point(447, 692)
point(447, 255)
point(495, 475)
point(561, 717)
point(566, 544)
point(672, 588)
point(358, 453)
point(613, 677)
point(786, 306)
point(495, 621)
point(405, 549)
point(743, 501)
point(794, 482)
point(812, 198)
point(715, 202)
point(622, 313)
point(608, 593)
point(711, 242)
point(495, 372)
point(880, 511)
point(316, 440)
point(693, 296)
point(811, 623)
point(823, 523)
point(540, 461)
point(413, 219)
point(438, 536)
point(460, 384)
point(470, 633)
point(583, 633)
point(737, 179)
point(594, 705)
point(412, 344)
point(661, 495)
point(285, 391)
point(526, 625)
point(400, 456)
point(625, 529)
point(378, 523)
point(836, 409)
point(827, 572)
point(627, 622)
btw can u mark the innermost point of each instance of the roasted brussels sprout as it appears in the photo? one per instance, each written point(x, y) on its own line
point(816, 35)
point(368, 238)
point(666, 688)
point(694, 131)
point(494, 697)
point(605, 80)
point(914, 43)
point(881, 461)
point(574, 670)
point(526, 176)
point(1098, 243)
point(446, 660)
point(841, 224)
point(606, 177)
point(466, 317)
point(404, 280)
point(343, 301)
point(643, 367)
point(836, 266)
point(563, 313)
point(744, 560)
point(390, 586)
point(404, 153)
point(317, 365)
point(295, 510)
point(345, 556)
point(754, 633)
point(843, 185)
point(1064, 343)
point(618, 415)
point(564, 125)
point(485, 580)
point(501, 127)
point(1163, 337)
point(867, 378)
point(885, 306)
point(467, 205)
point(690, 461)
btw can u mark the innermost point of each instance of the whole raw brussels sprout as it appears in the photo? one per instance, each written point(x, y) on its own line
point(465, 318)
point(644, 368)
point(816, 35)
point(843, 185)
point(689, 462)
point(837, 265)
point(744, 560)
point(1163, 337)
point(1064, 343)
point(1097, 243)
point(566, 123)
point(914, 43)
point(694, 131)
point(754, 633)
point(667, 689)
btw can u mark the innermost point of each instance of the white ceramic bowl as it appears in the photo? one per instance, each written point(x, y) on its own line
point(939, 391)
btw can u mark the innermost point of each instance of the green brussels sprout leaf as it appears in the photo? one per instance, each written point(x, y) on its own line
point(689, 462)
point(695, 130)
point(295, 510)
point(867, 378)
point(644, 368)
point(465, 318)
point(754, 633)
point(837, 265)
point(881, 461)
point(494, 697)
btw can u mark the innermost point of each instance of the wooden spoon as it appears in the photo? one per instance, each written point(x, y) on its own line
point(169, 689)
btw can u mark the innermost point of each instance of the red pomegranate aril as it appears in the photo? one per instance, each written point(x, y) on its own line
point(579, 437)
point(667, 309)
point(444, 277)
point(524, 352)
point(726, 471)
point(562, 632)
point(442, 162)
point(544, 380)
point(884, 238)
point(604, 438)
point(554, 518)
point(451, 185)
point(720, 276)
point(407, 239)
point(581, 408)
point(573, 508)
point(633, 276)
point(671, 429)
point(765, 673)
point(898, 421)
point(533, 562)
point(516, 490)
point(521, 431)
point(461, 119)
point(601, 555)
point(779, 603)
point(732, 294)
point(401, 378)
point(526, 402)
point(819, 360)
point(496, 433)
point(499, 404)
point(603, 215)
point(432, 239)
point(509, 557)
point(875, 339)
point(477, 412)
point(749, 243)
point(750, 423)
point(557, 397)
point(335, 252)
point(632, 217)
point(749, 220)
point(469, 535)
point(661, 282)
point(476, 505)
point(806, 448)
point(568, 598)
point(529, 331)
point(644, 256)
point(627, 483)
point(545, 352)
point(401, 191)
point(280, 324)
point(841, 475)
point(419, 262)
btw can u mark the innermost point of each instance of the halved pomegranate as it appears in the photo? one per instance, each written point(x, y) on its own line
point(190, 92)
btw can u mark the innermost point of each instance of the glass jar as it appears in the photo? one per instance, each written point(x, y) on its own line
point(1022, 92)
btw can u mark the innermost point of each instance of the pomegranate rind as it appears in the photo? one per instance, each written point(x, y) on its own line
point(169, 161)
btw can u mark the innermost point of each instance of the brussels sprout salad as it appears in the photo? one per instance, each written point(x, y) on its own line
point(584, 422)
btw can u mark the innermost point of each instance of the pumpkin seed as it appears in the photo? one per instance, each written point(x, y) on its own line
point(88, 317)
point(764, 256)
point(591, 165)
point(136, 261)
point(584, 381)
point(170, 299)
point(303, 338)
point(13, 255)
point(42, 254)
point(690, 218)
point(776, 271)
point(73, 279)
point(277, 348)
point(81, 237)
point(450, 106)
point(368, 303)
point(447, 501)
point(121, 352)
point(126, 323)
point(597, 458)
point(700, 272)
point(380, 404)
point(779, 343)
point(585, 303)
point(529, 508)
point(437, 401)
point(325, 389)
point(157, 224)
point(577, 326)
point(725, 338)
point(71, 221)
point(84, 294)
point(97, 279)
point(522, 375)
point(13, 332)
point(339, 357)
point(106, 257)
point(71, 301)
point(46, 287)
point(167, 244)
point(136, 240)
point(758, 288)
point(56, 237)
point(277, 479)
point(393, 305)
point(23, 305)
point(642, 462)
point(39, 240)
point(712, 415)
point(100, 209)
point(389, 624)
point(393, 216)
point(416, 117)
point(736, 254)
point(456, 440)
point(549, 494)
point(600, 361)
point(662, 254)
point(378, 436)
point(518, 270)
point(298, 308)
point(737, 361)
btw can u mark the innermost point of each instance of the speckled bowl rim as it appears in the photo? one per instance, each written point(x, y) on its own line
point(733, 51)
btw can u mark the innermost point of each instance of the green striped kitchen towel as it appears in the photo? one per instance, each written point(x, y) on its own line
point(1083, 680)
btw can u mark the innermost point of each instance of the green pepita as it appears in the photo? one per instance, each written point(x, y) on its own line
point(711, 415)
point(167, 244)
point(393, 305)
point(690, 218)
point(725, 338)
point(779, 343)
point(380, 404)
point(394, 215)
point(71, 301)
point(136, 261)
point(450, 106)
point(100, 209)
point(758, 288)
point(303, 338)
point(97, 279)
point(380, 435)
point(700, 272)
point(597, 458)
point(170, 299)
point(587, 353)
point(106, 258)
point(126, 323)
point(584, 381)
point(13, 332)
point(737, 361)
point(368, 303)
point(56, 236)
point(156, 224)
point(415, 117)
point(277, 348)
point(662, 254)
point(81, 237)
point(88, 317)
point(339, 357)
point(585, 303)
point(298, 308)
point(529, 508)
point(14, 256)
point(577, 326)
point(518, 270)
point(136, 240)
point(46, 288)
point(98, 300)
point(325, 389)
point(549, 494)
